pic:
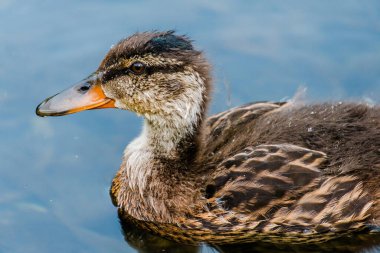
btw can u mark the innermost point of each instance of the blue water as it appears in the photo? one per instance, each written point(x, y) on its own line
point(55, 172)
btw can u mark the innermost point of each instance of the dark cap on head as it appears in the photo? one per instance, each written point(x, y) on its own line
point(148, 43)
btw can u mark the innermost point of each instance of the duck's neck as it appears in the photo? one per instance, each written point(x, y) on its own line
point(173, 140)
point(159, 168)
point(163, 147)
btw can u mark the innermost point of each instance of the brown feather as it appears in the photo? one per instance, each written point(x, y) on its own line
point(261, 171)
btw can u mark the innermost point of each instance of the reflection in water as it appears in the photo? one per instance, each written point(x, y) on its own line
point(355, 243)
point(144, 242)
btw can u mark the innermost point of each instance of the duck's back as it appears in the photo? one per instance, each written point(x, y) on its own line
point(292, 168)
point(348, 133)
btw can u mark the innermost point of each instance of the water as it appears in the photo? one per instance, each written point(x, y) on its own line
point(55, 172)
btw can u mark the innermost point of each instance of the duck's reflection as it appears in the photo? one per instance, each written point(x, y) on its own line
point(147, 242)
point(355, 243)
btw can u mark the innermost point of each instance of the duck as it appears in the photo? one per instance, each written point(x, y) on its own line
point(263, 171)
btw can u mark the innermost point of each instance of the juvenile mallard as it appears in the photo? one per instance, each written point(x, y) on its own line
point(258, 171)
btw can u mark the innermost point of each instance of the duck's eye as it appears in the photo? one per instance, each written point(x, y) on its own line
point(137, 68)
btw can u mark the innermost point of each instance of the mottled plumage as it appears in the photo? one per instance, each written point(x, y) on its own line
point(263, 171)
point(253, 190)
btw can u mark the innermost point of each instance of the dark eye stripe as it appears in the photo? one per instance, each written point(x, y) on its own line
point(165, 69)
point(114, 73)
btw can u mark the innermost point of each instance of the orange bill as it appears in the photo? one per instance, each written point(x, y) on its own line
point(86, 95)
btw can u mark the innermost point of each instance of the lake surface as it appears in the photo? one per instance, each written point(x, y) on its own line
point(55, 172)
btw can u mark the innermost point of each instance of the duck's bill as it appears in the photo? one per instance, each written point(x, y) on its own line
point(86, 95)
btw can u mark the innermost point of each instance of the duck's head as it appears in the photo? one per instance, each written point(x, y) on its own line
point(155, 74)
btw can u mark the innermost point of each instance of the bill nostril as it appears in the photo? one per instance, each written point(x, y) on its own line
point(84, 88)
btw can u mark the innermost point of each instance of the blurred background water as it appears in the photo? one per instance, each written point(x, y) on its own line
point(55, 172)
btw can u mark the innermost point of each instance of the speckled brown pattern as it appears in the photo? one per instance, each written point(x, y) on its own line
point(262, 171)
point(286, 172)
point(276, 193)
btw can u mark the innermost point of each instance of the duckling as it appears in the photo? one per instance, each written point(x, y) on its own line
point(261, 171)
